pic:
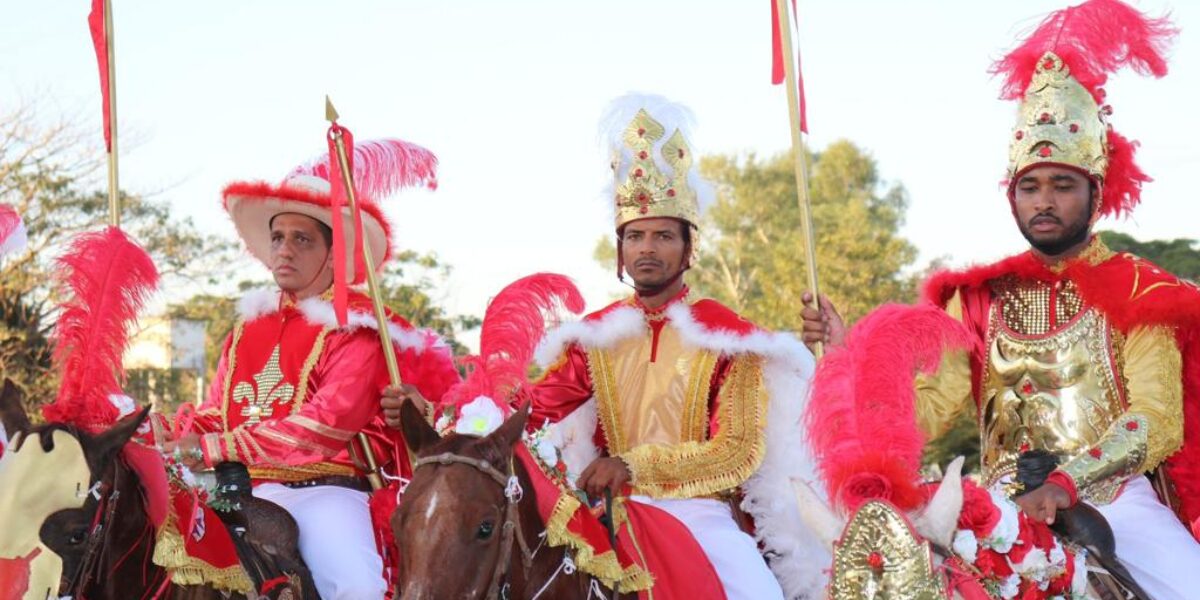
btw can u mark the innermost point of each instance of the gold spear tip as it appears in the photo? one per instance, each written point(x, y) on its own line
point(331, 113)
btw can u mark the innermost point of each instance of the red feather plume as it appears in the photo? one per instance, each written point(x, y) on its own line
point(862, 419)
point(512, 327)
point(1094, 39)
point(381, 167)
point(107, 278)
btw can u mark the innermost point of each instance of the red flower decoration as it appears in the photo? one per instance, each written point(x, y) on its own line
point(979, 514)
point(861, 487)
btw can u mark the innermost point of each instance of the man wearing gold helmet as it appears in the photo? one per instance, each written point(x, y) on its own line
point(695, 410)
point(1088, 354)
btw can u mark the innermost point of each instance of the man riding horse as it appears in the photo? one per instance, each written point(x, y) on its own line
point(294, 386)
point(1090, 355)
point(697, 408)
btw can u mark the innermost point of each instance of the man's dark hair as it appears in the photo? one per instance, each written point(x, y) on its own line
point(326, 231)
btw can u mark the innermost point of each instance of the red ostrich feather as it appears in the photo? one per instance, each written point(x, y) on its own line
point(381, 167)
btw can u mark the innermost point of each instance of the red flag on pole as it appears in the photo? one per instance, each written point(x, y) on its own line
point(100, 41)
point(777, 58)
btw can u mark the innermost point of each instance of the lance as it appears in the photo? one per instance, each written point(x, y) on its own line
point(100, 22)
point(373, 289)
point(801, 162)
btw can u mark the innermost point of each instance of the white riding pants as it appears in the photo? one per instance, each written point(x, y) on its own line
point(1153, 544)
point(336, 538)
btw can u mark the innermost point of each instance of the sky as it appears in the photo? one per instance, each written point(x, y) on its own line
point(509, 94)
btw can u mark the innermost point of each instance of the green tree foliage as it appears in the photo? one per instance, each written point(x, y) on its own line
point(50, 175)
point(1179, 256)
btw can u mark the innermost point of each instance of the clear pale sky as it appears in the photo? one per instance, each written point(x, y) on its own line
point(508, 95)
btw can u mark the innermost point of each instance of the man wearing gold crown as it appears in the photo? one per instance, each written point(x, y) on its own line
point(697, 408)
point(1089, 354)
point(294, 387)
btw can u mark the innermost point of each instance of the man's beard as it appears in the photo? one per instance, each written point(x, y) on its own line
point(1074, 235)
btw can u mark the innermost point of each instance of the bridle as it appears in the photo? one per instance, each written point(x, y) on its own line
point(106, 495)
point(498, 588)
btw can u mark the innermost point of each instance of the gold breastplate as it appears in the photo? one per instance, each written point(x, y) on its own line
point(1047, 386)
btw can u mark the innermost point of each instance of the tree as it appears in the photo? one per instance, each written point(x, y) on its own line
point(48, 173)
point(752, 250)
point(1179, 256)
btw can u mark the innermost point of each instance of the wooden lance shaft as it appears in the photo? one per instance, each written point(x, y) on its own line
point(385, 336)
point(801, 167)
point(114, 189)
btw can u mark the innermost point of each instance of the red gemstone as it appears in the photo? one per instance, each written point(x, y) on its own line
point(644, 209)
point(1131, 425)
point(1044, 151)
point(642, 155)
point(641, 131)
point(671, 192)
point(1074, 128)
point(875, 560)
point(642, 198)
point(681, 153)
point(637, 173)
point(1027, 388)
point(1020, 135)
point(1025, 447)
point(1045, 118)
point(1048, 63)
point(1095, 452)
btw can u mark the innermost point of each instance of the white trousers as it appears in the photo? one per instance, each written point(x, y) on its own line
point(336, 539)
point(733, 554)
point(1153, 544)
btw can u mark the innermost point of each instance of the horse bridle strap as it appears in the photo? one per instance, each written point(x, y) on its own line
point(106, 495)
point(511, 525)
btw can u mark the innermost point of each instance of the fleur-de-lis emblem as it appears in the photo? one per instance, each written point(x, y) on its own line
point(267, 389)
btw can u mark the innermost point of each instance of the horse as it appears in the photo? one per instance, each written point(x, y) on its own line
point(461, 511)
point(67, 496)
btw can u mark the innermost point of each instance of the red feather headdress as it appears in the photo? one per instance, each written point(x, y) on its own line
point(862, 419)
point(107, 278)
point(512, 327)
point(1078, 47)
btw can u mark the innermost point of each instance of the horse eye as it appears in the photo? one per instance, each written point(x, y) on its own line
point(78, 536)
point(485, 530)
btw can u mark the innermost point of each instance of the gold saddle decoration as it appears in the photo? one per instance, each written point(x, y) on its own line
point(268, 389)
point(880, 558)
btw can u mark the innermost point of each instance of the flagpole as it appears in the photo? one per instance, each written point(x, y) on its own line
point(114, 189)
point(376, 294)
point(801, 161)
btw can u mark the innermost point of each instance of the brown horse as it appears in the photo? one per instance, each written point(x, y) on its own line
point(69, 498)
point(463, 530)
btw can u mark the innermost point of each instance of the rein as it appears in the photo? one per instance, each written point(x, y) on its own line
point(512, 494)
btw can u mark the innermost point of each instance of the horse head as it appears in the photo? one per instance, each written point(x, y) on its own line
point(54, 483)
point(459, 510)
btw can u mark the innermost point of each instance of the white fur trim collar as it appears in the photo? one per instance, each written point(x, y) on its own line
point(265, 301)
point(627, 321)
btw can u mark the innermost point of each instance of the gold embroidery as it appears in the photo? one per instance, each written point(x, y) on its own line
point(321, 428)
point(1135, 293)
point(268, 388)
point(604, 385)
point(300, 472)
point(693, 469)
point(309, 363)
point(230, 363)
point(603, 566)
point(905, 567)
point(695, 404)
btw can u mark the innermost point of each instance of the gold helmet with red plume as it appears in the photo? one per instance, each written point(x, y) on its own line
point(1058, 73)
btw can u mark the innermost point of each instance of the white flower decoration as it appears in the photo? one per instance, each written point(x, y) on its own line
point(1010, 586)
point(479, 417)
point(546, 451)
point(1004, 534)
point(966, 545)
point(1035, 567)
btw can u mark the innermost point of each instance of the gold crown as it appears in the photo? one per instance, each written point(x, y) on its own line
point(646, 191)
point(1058, 122)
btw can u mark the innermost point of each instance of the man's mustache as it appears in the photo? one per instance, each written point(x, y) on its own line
point(647, 261)
point(1044, 219)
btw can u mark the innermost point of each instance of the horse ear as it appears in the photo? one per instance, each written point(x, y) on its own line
point(510, 431)
point(12, 414)
point(418, 434)
point(108, 443)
